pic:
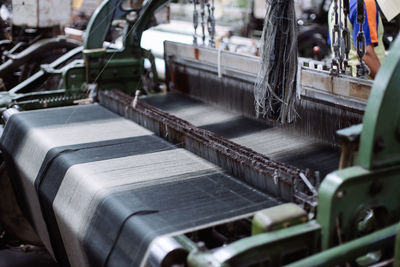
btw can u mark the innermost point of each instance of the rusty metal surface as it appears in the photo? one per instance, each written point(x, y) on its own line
point(256, 169)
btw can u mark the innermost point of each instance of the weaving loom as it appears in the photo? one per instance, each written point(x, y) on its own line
point(116, 158)
point(194, 177)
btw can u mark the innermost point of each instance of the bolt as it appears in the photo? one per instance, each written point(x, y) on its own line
point(201, 246)
point(340, 194)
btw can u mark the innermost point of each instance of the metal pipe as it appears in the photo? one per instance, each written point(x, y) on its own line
point(185, 242)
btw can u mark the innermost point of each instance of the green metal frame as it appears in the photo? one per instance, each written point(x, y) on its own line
point(110, 68)
point(271, 249)
point(348, 195)
point(396, 262)
point(356, 205)
point(380, 139)
point(278, 217)
point(350, 251)
point(373, 184)
point(25, 98)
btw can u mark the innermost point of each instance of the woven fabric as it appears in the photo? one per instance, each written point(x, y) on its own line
point(99, 189)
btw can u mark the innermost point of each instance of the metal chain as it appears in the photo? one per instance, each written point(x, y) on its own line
point(195, 21)
point(362, 68)
point(341, 41)
point(335, 69)
point(341, 38)
point(211, 23)
point(203, 22)
point(346, 38)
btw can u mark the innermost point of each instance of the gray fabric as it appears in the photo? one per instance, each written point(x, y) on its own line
point(280, 143)
point(88, 175)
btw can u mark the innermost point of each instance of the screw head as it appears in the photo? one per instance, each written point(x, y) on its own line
point(201, 246)
point(340, 194)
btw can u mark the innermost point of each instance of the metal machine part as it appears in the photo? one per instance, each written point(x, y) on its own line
point(20, 66)
point(33, 42)
point(240, 253)
point(73, 73)
point(356, 211)
point(198, 71)
point(111, 67)
point(33, 21)
point(255, 168)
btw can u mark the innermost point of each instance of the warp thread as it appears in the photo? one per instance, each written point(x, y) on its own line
point(275, 88)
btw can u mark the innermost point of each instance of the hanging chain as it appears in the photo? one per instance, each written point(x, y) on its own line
point(195, 21)
point(211, 22)
point(203, 21)
point(341, 41)
point(362, 68)
point(346, 38)
point(341, 38)
point(335, 41)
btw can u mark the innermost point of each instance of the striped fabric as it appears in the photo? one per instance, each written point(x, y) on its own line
point(99, 189)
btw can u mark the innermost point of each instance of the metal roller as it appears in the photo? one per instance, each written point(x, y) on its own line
point(166, 252)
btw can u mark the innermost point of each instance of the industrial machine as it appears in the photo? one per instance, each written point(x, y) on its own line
point(31, 39)
point(194, 177)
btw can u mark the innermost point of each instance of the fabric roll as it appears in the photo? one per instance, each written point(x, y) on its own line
point(99, 189)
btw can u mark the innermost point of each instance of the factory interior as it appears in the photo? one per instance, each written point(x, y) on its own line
point(199, 133)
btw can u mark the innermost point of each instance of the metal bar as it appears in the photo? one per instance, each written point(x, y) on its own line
point(42, 73)
point(308, 184)
point(35, 49)
point(185, 242)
